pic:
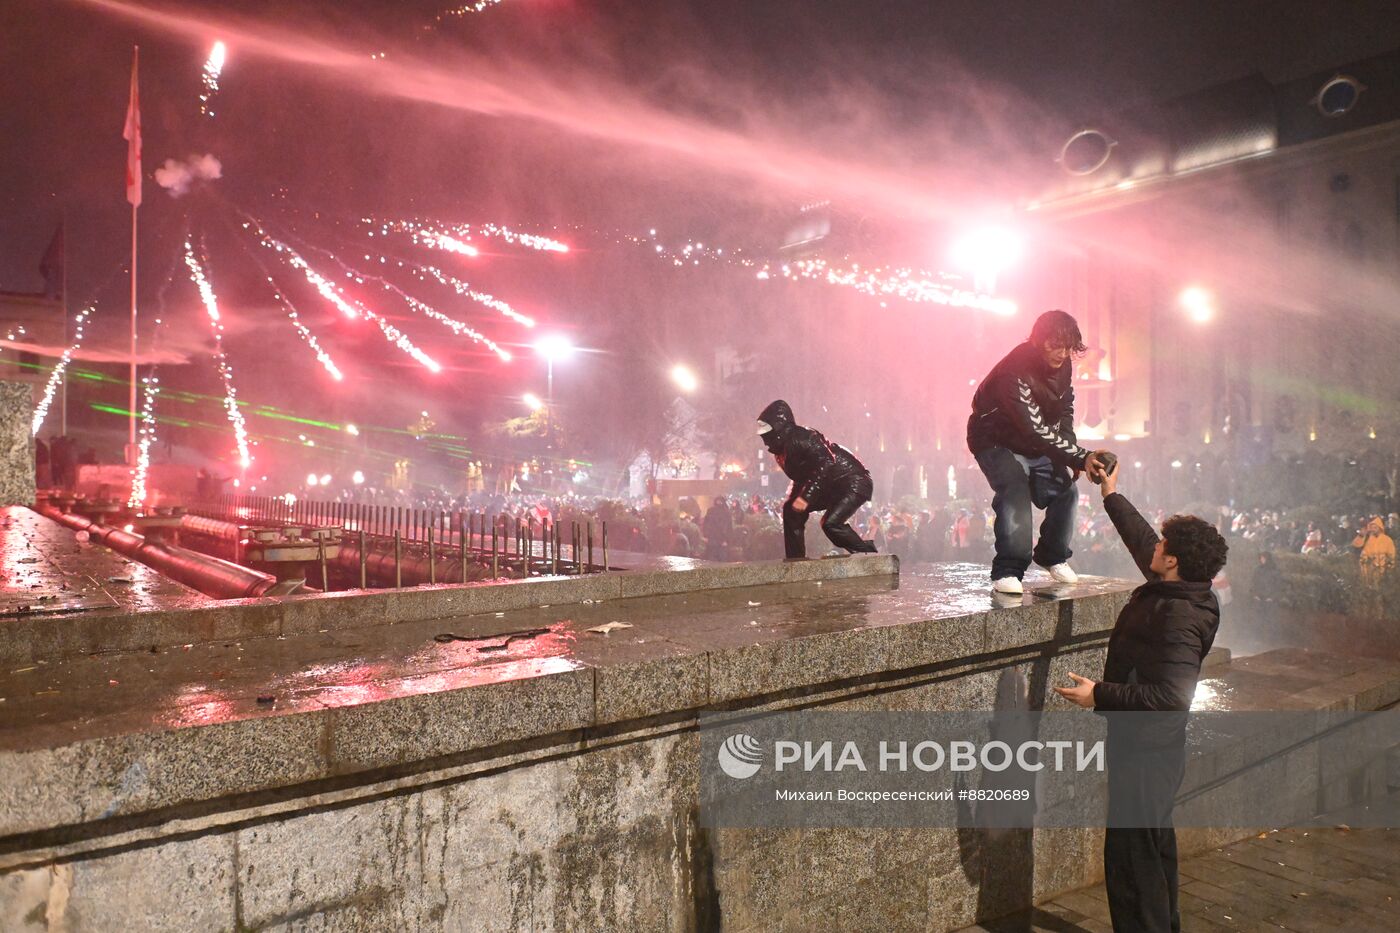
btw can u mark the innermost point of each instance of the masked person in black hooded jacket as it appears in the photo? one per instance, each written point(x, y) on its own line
point(1021, 433)
point(826, 477)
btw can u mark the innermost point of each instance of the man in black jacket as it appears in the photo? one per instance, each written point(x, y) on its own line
point(1022, 433)
point(1154, 660)
point(825, 477)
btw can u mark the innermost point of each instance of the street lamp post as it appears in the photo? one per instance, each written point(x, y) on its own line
point(552, 347)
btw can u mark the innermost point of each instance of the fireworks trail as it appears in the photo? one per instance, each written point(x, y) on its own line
point(150, 388)
point(42, 409)
point(212, 68)
point(476, 6)
point(399, 339)
point(325, 286)
point(464, 289)
point(350, 308)
point(882, 282)
point(532, 240)
point(456, 235)
point(423, 272)
point(211, 306)
point(305, 332)
point(436, 239)
point(905, 284)
point(458, 327)
point(302, 330)
point(766, 149)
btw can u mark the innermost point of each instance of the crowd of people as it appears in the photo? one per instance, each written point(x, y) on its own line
point(56, 461)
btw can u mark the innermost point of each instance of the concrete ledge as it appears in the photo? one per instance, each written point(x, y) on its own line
point(632, 678)
point(49, 637)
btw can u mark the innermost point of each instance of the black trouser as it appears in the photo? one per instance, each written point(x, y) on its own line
point(1139, 847)
point(839, 504)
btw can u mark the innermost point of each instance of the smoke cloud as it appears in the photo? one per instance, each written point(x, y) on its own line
point(178, 177)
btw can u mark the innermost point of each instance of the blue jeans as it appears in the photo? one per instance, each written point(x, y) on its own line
point(1018, 484)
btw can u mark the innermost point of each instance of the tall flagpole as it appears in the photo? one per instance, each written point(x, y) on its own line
point(63, 284)
point(131, 407)
point(132, 133)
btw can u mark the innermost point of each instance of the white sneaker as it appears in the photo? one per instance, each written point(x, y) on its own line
point(1007, 585)
point(1063, 573)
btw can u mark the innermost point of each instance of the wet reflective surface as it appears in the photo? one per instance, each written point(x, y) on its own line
point(45, 569)
point(43, 704)
point(207, 683)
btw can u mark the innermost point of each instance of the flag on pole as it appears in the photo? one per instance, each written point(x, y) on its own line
point(51, 266)
point(132, 134)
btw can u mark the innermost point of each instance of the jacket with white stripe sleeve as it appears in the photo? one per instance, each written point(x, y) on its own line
point(1028, 408)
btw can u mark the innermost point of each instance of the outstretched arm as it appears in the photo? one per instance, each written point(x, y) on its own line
point(1135, 531)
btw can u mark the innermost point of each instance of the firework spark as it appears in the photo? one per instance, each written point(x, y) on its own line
point(464, 289)
point(211, 306)
point(325, 286)
point(212, 69)
point(532, 240)
point(42, 409)
point(436, 239)
point(349, 307)
point(454, 237)
point(457, 326)
point(305, 333)
point(464, 9)
point(150, 388)
point(882, 282)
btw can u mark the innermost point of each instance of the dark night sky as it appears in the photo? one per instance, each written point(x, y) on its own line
point(927, 89)
point(66, 69)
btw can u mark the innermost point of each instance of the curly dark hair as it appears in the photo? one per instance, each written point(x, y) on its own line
point(1058, 328)
point(1198, 548)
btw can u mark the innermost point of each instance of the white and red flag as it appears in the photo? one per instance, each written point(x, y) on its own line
point(132, 134)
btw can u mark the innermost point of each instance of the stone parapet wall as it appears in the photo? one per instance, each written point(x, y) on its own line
point(16, 444)
point(546, 803)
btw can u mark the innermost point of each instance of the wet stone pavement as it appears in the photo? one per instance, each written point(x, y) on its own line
point(43, 704)
point(45, 569)
point(1319, 880)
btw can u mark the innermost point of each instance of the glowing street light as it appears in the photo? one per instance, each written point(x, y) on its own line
point(987, 253)
point(532, 401)
point(1198, 303)
point(358, 478)
point(352, 430)
point(325, 479)
point(684, 378)
point(552, 347)
point(312, 479)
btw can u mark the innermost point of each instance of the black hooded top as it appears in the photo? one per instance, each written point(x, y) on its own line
point(815, 465)
point(1027, 408)
point(1160, 639)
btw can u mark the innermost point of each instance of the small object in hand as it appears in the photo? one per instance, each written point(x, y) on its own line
point(1109, 461)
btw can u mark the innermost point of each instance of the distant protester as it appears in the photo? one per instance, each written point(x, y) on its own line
point(826, 477)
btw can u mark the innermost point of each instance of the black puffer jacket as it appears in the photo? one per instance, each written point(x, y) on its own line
point(1027, 408)
point(1159, 642)
point(818, 468)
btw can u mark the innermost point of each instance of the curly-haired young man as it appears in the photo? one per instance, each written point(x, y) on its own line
point(1154, 660)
